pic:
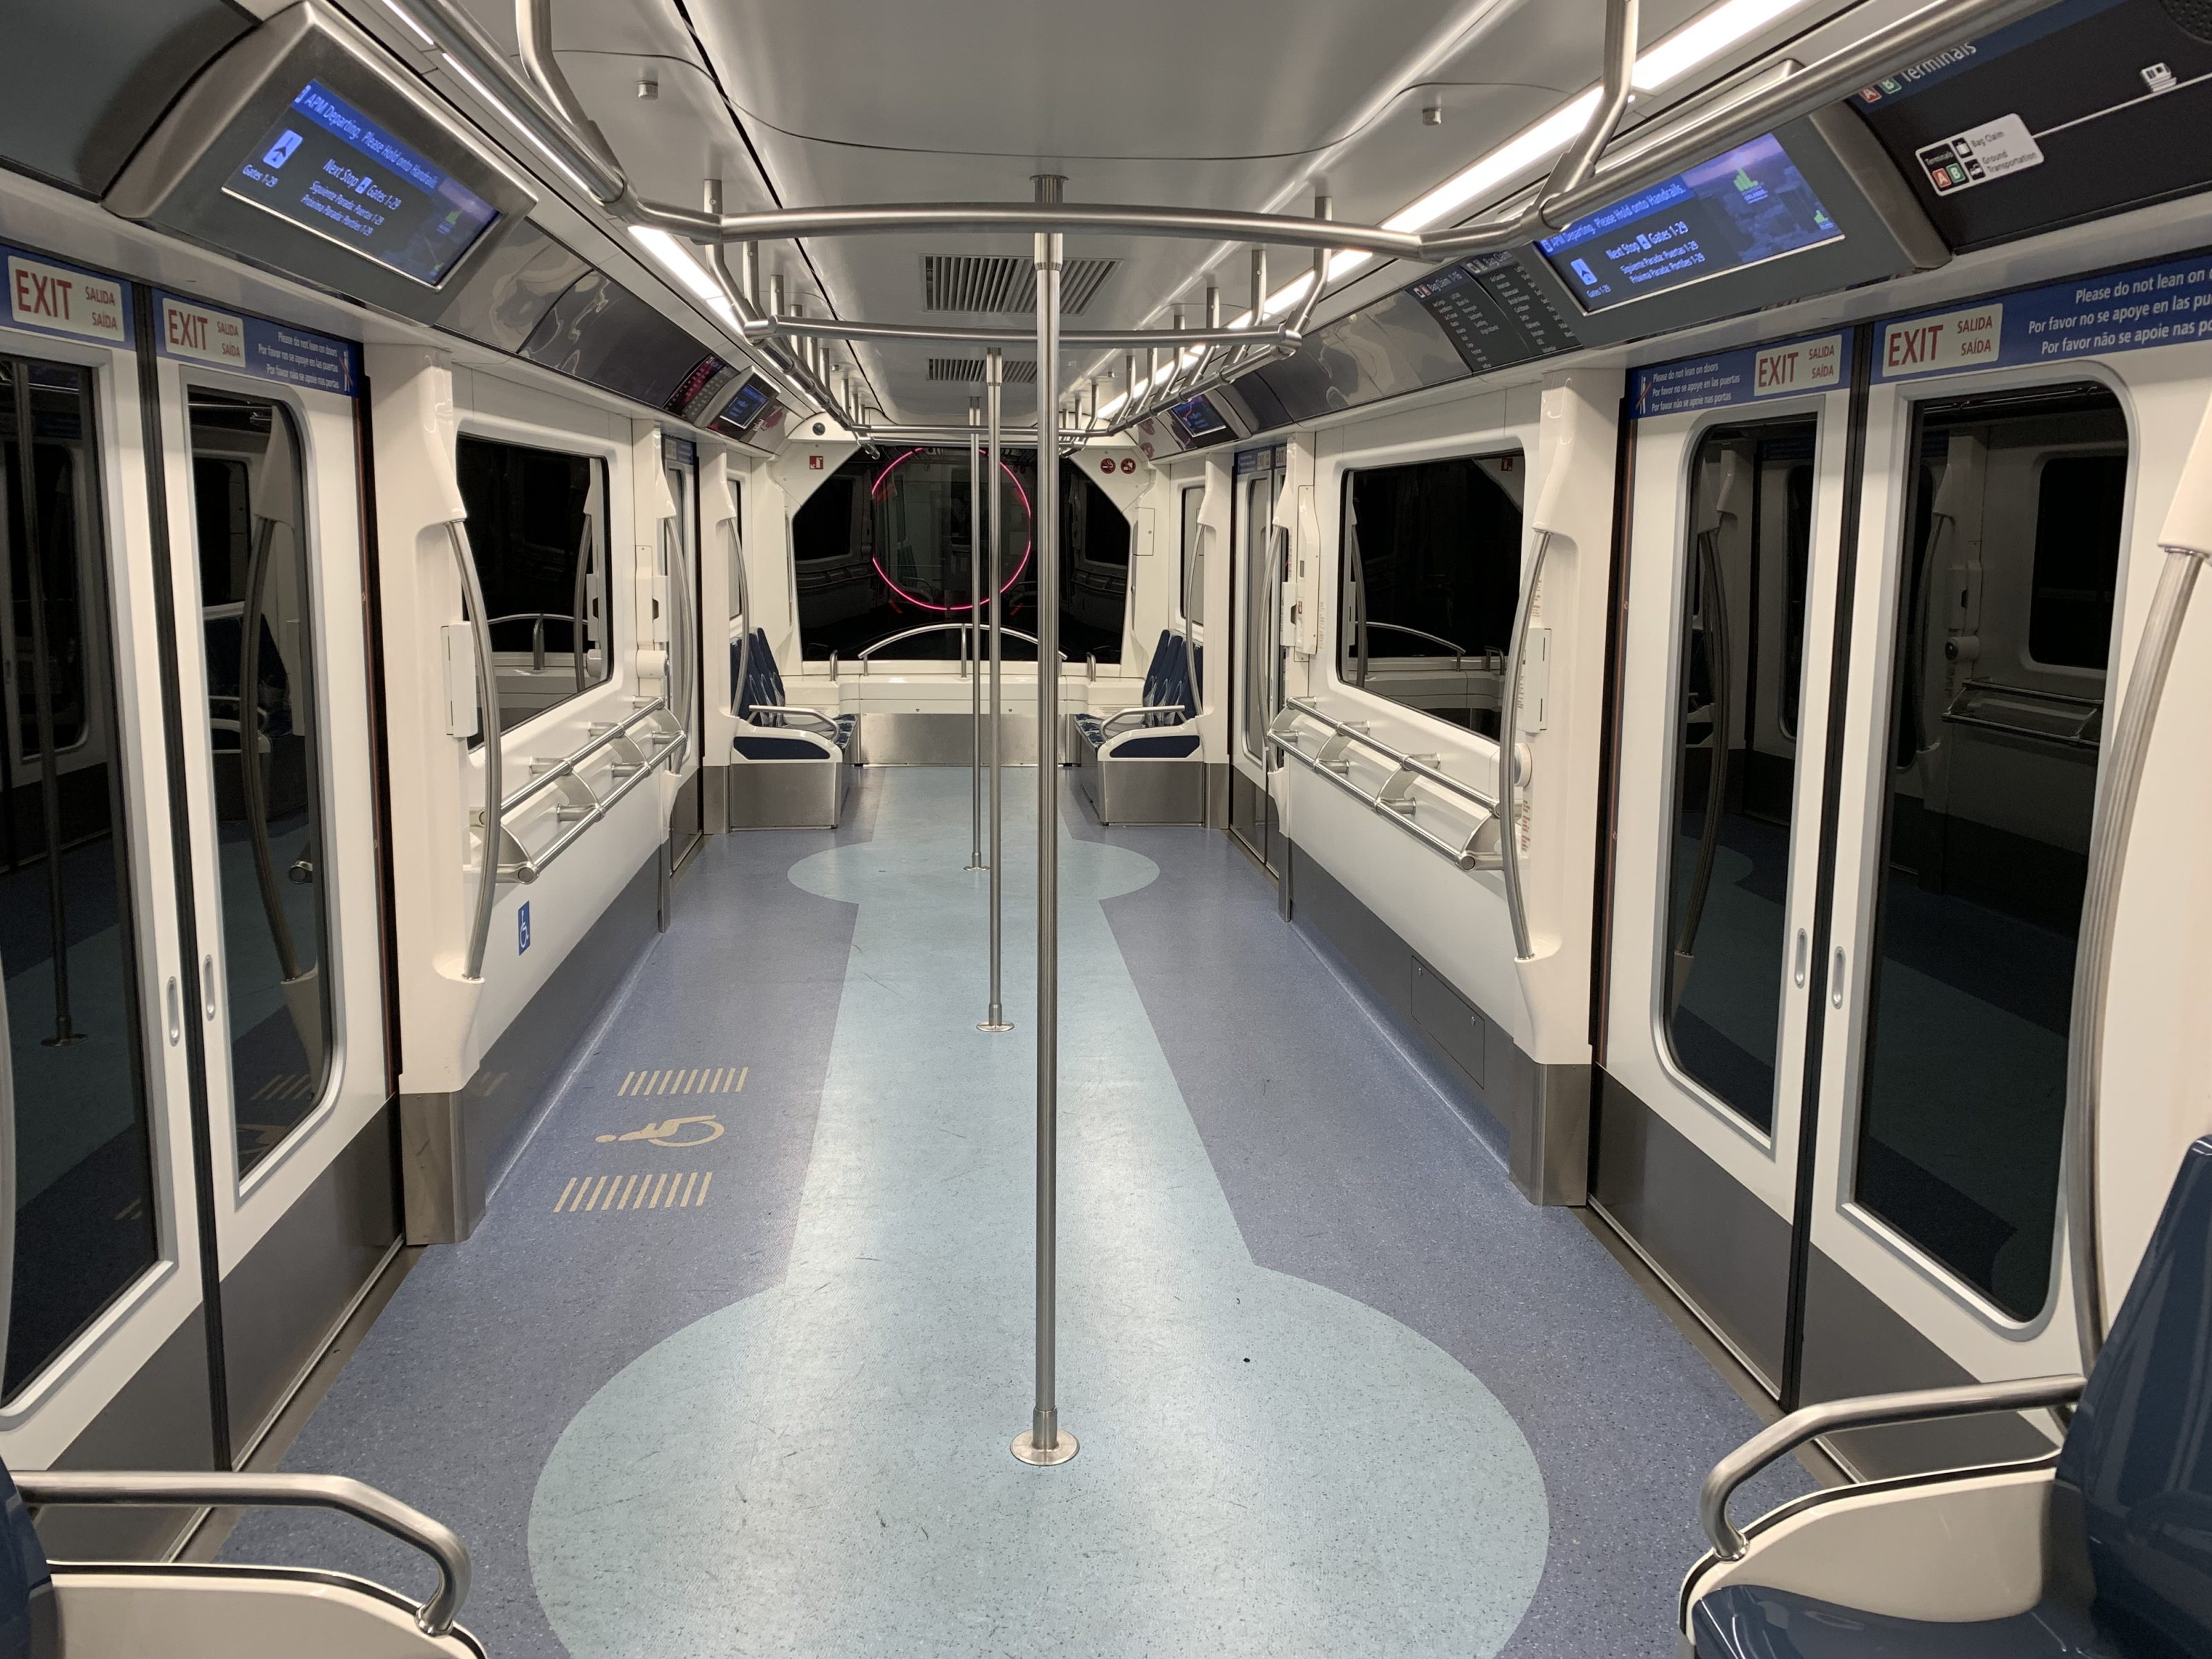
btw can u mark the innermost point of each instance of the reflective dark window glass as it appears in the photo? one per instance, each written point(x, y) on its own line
point(1431, 578)
point(1192, 573)
point(264, 732)
point(85, 1214)
point(884, 546)
point(1740, 659)
point(538, 529)
point(2013, 550)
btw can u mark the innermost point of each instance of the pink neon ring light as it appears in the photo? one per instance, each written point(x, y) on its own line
point(876, 489)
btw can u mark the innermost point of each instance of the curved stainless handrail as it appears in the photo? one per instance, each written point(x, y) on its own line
point(252, 795)
point(1394, 801)
point(566, 767)
point(487, 721)
point(538, 619)
point(1871, 1411)
point(2118, 784)
point(222, 1490)
point(942, 627)
point(1508, 750)
point(1459, 652)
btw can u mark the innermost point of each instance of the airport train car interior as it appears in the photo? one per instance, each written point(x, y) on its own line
point(1273, 827)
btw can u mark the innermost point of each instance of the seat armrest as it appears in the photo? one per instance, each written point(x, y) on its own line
point(1174, 708)
point(1868, 1411)
point(829, 725)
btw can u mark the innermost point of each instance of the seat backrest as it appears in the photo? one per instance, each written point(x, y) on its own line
point(28, 1626)
point(2132, 1506)
point(762, 683)
point(1155, 671)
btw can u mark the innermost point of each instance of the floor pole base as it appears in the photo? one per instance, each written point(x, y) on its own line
point(995, 1025)
point(1026, 1448)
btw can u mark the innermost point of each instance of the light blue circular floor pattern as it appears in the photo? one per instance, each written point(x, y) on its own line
point(1266, 1465)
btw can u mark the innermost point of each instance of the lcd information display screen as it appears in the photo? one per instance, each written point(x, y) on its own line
point(1737, 209)
point(1199, 422)
point(738, 415)
point(329, 169)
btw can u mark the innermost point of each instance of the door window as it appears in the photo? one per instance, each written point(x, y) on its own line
point(1431, 572)
point(1739, 656)
point(537, 530)
point(85, 1224)
point(1997, 697)
point(265, 730)
point(1263, 577)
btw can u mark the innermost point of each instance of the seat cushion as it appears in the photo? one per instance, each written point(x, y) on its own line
point(1749, 1621)
point(845, 724)
point(1167, 746)
point(751, 748)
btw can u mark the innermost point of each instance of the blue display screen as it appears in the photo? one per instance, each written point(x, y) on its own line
point(1737, 209)
point(738, 414)
point(1198, 419)
point(328, 168)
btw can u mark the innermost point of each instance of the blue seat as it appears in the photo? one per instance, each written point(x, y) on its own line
point(28, 1628)
point(2130, 1519)
point(273, 706)
point(791, 767)
point(1122, 756)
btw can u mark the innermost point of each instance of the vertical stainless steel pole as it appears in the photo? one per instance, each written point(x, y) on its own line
point(1046, 1441)
point(971, 640)
point(994, 534)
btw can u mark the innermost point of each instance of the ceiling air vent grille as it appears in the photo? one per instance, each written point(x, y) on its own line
point(968, 371)
point(1005, 284)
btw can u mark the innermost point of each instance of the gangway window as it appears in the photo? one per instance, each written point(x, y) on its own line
point(885, 546)
point(85, 1215)
point(265, 733)
point(1431, 577)
point(539, 528)
point(1997, 710)
point(1740, 658)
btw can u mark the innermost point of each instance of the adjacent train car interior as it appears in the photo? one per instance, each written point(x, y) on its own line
point(1287, 829)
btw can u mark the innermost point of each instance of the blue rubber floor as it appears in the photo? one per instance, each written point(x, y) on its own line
point(733, 1364)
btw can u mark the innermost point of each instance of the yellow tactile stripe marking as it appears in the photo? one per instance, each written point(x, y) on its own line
point(681, 1190)
point(686, 1080)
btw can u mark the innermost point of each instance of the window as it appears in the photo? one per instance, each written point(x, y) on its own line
point(537, 527)
point(2013, 554)
point(1739, 656)
point(85, 1215)
point(738, 597)
point(884, 546)
point(258, 627)
point(1193, 596)
point(1431, 576)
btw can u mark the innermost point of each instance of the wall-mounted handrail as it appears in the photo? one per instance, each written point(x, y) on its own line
point(493, 815)
point(538, 619)
point(1394, 800)
point(1510, 752)
point(943, 627)
point(224, 1490)
point(1459, 652)
point(566, 767)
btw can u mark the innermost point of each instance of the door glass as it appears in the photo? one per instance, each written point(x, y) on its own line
point(1997, 697)
point(1432, 572)
point(537, 530)
point(1741, 656)
point(1262, 582)
point(264, 728)
point(84, 1181)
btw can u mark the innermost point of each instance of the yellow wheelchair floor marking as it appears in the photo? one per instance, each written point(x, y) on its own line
point(681, 1189)
point(686, 1080)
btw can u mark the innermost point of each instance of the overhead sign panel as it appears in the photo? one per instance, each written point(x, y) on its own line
point(1492, 314)
point(195, 333)
point(53, 298)
point(2131, 310)
point(1784, 369)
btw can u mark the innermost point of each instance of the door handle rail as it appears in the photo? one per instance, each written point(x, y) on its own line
point(1478, 850)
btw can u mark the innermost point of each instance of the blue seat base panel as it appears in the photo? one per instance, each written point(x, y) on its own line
point(1748, 1621)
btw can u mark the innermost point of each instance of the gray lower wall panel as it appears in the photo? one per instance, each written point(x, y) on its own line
point(160, 1419)
point(454, 1147)
point(281, 1305)
point(1726, 1251)
point(1855, 1344)
point(1537, 1116)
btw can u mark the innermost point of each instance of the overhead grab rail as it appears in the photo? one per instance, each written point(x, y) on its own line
point(224, 1490)
point(1395, 800)
point(580, 805)
point(546, 109)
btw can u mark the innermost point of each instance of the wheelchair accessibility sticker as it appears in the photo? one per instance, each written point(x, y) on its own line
point(675, 1132)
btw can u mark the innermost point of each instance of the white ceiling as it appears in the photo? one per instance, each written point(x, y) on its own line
point(1233, 104)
